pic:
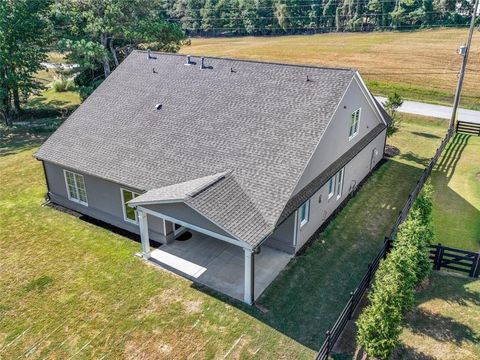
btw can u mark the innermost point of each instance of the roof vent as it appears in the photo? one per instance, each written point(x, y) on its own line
point(149, 55)
point(308, 79)
point(203, 66)
point(189, 61)
point(158, 106)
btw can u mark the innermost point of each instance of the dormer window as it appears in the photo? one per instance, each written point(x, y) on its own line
point(354, 124)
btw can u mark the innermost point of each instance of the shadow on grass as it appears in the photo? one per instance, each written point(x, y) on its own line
point(456, 219)
point(14, 139)
point(411, 157)
point(405, 352)
point(446, 293)
point(425, 135)
point(308, 296)
point(440, 328)
point(451, 156)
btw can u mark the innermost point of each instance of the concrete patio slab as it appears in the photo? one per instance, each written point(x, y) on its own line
point(219, 265)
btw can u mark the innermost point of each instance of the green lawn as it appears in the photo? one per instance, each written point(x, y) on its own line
point(456, 211)
point(310, 294)
point(70, 288)
point(445, 323)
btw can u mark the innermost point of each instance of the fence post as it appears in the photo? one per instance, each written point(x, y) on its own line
point(438, 257)
point(369, 272)
point(350, 311)
point(388, 245)
point(328, 341)
point(475, 271)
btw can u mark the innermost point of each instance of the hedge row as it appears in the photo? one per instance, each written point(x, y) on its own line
point(393, 289)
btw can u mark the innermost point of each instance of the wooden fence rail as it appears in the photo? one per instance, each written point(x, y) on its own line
point(441, 260)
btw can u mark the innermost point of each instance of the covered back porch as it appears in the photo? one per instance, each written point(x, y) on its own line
point(212, 259)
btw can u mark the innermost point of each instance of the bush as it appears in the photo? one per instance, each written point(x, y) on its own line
point(62, 85)
point(393, 289)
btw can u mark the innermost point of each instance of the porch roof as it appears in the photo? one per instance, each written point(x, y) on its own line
point(220, 199)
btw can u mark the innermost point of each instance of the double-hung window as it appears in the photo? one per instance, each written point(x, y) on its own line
point(76, 187)
point(304, 213)
point(129, 213)
point(354, 124)
point(335, 184)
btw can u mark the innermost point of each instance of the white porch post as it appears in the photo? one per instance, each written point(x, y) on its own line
point(143, 222)
point(248, 295)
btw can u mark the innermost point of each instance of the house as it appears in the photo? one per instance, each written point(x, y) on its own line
point(249, 157)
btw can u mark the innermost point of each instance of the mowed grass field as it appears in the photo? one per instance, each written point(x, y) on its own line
point(456, 178)
point(420, 65)
point(456, 211)
point(72, 289)
point(445, 323)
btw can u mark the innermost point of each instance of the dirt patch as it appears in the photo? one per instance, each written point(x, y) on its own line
point(148, 349)
point(193, 306)
point(164, 299)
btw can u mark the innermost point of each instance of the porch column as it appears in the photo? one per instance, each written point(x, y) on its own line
point(143, 222)
point(248, 295)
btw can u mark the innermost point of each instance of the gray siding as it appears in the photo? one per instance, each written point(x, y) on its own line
point(104, 201)
point(335, 141)
point(282, 237)
point(180, 211)
point(355, 171)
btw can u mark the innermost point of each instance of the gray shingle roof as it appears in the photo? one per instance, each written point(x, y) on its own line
point(180, 191)
point(260, 121)
point(311, 188)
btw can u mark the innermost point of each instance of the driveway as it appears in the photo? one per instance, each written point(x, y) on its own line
point(438, 111)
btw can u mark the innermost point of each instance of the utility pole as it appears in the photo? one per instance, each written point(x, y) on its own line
point(465, 49)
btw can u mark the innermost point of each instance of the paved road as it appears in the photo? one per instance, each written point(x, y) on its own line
point(439, 111)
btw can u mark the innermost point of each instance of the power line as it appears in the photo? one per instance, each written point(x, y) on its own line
point(330, 28)
point(273, 6)
point(215, 18)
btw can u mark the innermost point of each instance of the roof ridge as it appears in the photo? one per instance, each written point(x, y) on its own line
point(202, 187)
point(251, 61)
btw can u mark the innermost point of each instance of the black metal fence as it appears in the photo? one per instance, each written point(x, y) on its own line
point(459, 260)
point(334, 333)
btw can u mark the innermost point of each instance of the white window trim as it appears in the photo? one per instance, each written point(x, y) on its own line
point(331, 193)
point(334, 179)
point(125, 218)
point(307, 213)
point(78, 201)
point(350, 137)
point(342, 173)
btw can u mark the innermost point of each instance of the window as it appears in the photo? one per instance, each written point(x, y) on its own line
point(354, 124)
point(129, 214)
point(331, 187)
point(339, 186)
point(335, 184)
point(304, 212)
point(76, 187)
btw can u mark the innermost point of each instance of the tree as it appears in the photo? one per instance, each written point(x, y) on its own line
point(113, 27)
point(393, 288)
point(24, 35)
point(392, 104)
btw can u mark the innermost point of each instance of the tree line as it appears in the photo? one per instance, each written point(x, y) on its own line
point(94, 34)
point(266, 17)
point(98, 34)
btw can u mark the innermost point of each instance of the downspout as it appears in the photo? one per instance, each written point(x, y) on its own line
point(47, 196)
